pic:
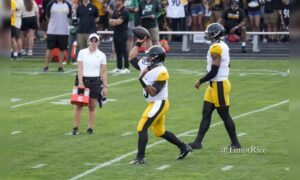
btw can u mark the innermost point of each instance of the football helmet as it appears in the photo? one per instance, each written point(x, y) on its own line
point(155, 55)
point(214, 32)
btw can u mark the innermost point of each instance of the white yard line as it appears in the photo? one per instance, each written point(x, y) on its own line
point(127, 134)
point(62, 95)
point(38, 166)
point(241, 134)
point(163, 167)
point(227, 168)
point(15, 132)
point(112, 161)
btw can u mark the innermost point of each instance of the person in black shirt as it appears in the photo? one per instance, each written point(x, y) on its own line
point(285, 18)
point(87, 14)
point(119, 22)
point(234, 22)
point(271, 16)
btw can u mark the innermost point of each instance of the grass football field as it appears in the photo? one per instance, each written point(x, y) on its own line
point(42, 147)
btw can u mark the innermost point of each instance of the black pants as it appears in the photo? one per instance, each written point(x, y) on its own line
point(121, 52)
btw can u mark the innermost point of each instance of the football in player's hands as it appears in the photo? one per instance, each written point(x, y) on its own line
point(141, 33)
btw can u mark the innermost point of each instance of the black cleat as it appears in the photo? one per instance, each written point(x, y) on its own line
point(244, 49)
point(75, 131)
point(60, 69)
point(45, 69)
point(138, 161)
point(195, 145)
point(235, 146)
point(187, 150)
point(89, 131)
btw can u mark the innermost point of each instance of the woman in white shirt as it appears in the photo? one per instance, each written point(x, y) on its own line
point(30, 23)
point(91, 64)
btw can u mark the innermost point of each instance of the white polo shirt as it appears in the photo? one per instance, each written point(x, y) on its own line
point(91, 62)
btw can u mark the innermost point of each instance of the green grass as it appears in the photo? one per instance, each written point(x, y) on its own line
point(255, 85)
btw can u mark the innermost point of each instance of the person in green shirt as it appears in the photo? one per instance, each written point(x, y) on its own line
point(132, 6)
point(149, 11)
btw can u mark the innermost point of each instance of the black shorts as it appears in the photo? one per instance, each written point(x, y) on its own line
point(29, 23)
point(15, 32)
point(57, 41)
point(228, 28)
point(93, 83)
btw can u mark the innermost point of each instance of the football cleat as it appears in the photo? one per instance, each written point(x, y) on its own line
point(138, 161)
point(235, 146)
point(196, 145)
point(187, 150)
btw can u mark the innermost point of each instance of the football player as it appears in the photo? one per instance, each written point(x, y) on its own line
point(154, 81)
point(217, 93)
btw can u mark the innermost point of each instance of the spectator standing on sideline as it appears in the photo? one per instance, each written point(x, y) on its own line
point(73, 30)
point(234, 22)
point(58, 12)
point(196, 14)
point(285, 18)
point(13, 29)
point(271, 14)
point(19, 7)
point(176, 13)
point(149, 10)
point(253, 11)
point(91, 64)
point(216, 7)
point(207, 13)
point(119, 22)
point(30, 23)
point(132, 6)
point(87, 14)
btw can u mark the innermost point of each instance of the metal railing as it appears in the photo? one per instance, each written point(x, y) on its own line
point(185, 45)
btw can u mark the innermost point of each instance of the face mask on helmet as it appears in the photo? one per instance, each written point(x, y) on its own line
point(151, 60)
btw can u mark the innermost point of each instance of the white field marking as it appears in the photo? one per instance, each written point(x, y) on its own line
point(163, 167)
point(15, 100)
point(227, 168)
point(190, 135)
point(53, 97)
point(15, 132)
point(68, 133)
point(287, 168)
point(112, 161)
point(38, 166)
point(127, 134)
point(111, 100)
point(62, 102)
point(241, 134)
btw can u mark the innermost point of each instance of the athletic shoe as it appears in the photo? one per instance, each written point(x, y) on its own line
point(138, 161)
point(235, 146)
point(187, 150)
point(29, 53)
point(75, 131)
point(125, 71)
point(23, 52)
point(60, 69)
point(45, 69)
point(116, 70)
point(195, 145)
point(89, 131)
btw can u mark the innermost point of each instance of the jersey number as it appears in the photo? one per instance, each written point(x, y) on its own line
point(175, 2)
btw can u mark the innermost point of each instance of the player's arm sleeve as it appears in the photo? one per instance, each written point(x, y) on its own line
point(135, 63)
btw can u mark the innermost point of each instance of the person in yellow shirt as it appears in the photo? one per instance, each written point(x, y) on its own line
point(14, 31)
